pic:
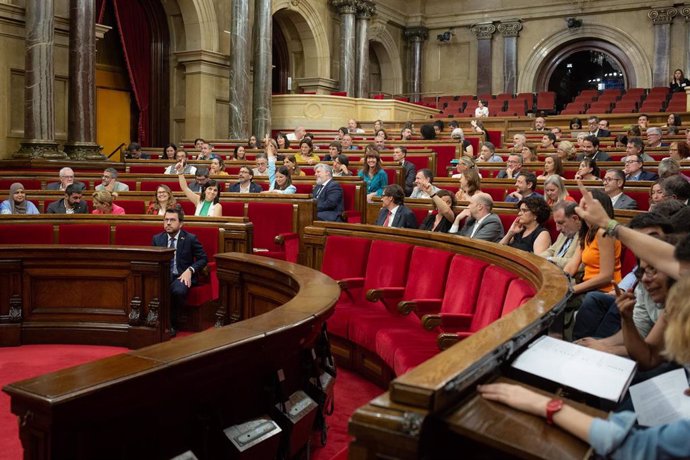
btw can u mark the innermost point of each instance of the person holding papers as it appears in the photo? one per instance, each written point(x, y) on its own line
point(619, 437)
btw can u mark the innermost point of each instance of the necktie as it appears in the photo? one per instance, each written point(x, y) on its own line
point(173, 265)
point(318, 192)
point(388, 218)
point(565, 247)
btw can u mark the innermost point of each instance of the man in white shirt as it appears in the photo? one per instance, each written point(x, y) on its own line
point(299, 133)
point(261, 165)
point(423, 177)
point(181, 156)
point(353, 127)
point(614, 181)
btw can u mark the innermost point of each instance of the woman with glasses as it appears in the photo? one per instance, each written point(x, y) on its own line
point(527, 231)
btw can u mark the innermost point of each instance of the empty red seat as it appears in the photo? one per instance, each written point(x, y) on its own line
point(274, 235)
point(26, 234)
point(84, 234)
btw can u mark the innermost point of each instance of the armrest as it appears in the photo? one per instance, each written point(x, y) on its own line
point(290, 244)
point(352, 217)
point(384, 294)
point(283, 238)
point(350, 283)
point(429, 322)
point(419, 305)
point(447, 340)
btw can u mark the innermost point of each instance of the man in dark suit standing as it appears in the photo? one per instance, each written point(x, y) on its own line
point(409, 169)
point(481, 224)
point(394, 213)
point(328, 195)
point(596, 130)
point(71, 203)
point(189, 260)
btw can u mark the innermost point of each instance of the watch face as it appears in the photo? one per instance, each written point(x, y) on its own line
point(554, 405)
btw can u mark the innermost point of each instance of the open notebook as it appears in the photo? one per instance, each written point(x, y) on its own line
point(590, 371)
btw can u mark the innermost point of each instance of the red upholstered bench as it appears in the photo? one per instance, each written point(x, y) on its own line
point(80, 234)
point(152, 186)
point(274, 235)
point(26, 234)
point(29, 184)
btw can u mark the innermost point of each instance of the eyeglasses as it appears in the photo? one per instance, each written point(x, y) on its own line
point(627, 162)
point(649, 272)
point(609, 179)
point(523, 210)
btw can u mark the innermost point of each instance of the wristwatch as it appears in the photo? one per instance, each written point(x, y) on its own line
point(552, 407)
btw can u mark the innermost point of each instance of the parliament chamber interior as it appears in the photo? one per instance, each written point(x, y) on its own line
point(344, 229)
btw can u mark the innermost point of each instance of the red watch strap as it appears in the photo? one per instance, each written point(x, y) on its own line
point(552, 407)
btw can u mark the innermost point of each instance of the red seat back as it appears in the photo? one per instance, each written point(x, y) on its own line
point(207, 236)
point(492, 296)
point(270, 220)
point(26, 234)
point(387, 264)
point(84, 234)
point(136, 235)
point(345, 257)
point(349, 193)
point(462, 284)
point(132, 206)
point(519, 292)
point(152, 186)
point(232, 208)
point(427, 273)
point(29, 184)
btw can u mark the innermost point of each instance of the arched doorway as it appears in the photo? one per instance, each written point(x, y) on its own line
point(281, 63)
point(374, 71)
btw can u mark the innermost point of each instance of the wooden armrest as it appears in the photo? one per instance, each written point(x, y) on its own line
point(447, 340)
point(282, 238)
point(349, 283)
point(431, 321)
point(419, 305)
point(385, 293)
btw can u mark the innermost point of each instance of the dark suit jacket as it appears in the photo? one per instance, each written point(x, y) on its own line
point(404, 217)
point(491, 229)
point(253, 188)
point(56, 185)
point(329, 201)
point(599, 155)
point(625, 202)
point(409, 172)
point(190, 252)
point(603, 133)
point(646, 175)
point(58, 207)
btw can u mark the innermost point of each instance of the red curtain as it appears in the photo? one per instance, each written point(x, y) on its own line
point(136, 45)
point(100, 11)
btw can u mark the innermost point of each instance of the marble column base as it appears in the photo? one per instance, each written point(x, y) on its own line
point(84, 151)
point(40, 149)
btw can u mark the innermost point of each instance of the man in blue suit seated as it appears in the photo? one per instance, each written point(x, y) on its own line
point(187, 263)
point(246, 184)
point(634, 169)
point(394, 213)
point(328, 195)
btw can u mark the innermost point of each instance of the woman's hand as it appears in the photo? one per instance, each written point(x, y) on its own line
point(626, 303)
point(516, 397)
point(516, 227)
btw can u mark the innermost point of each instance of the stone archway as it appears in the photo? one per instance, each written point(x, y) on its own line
point(383, 45)
point(616, 43)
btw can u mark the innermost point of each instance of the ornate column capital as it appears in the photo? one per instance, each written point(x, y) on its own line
point(344, 6)
point(483, 31)
point(416, 34)
point(510, 28)
point(365, 9)
point(685, 12)
point(662, 15)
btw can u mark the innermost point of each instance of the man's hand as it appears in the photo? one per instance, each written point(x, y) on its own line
point(186, 278)
point(590, 209)
point(517, 195)
point(626, 303)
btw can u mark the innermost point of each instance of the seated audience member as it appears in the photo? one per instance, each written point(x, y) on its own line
point(438, 126)
point(428, 132)
point(205, 152)
point(480, 223)
point(604, 124)
point(668, 167)
point(619, 436)
point(634, 169)
point(162, 201)
point(380, 140)
point(334, 149)
point(66, 178)
point(555, 191)
point(340, 166)
point(372, 173)
point(393, 212)
point(197, 145)
point(568, 225)
point(169, 152)
point(558, 132)
point(459, 135)
point(279, 179)
point(601, 257)
point(656, 194)
point(306, 153)
point(353, 127)
point(527, 232)
point(239, 153)
point(614, 183)
point(579, 139)
point(481, 111)
point(200, 180)
point(487, 153)
point(208, 202)
point(341, 132)
point(679, 151)
point(470, 183)
point(463, 164)
point(282, 141)
point(673, 124)
point(478, 128)
point(588, 170)
point(654, 138)
point(252, 143)
point(409, 170)
point(110, 182)
point(635, 131)
point(595, 129)
point(181, 159)
point(378, 125)
point(526, 184)
point(103, 203)
point(553, 166)
point(217, 166)
point(442, 218)
point(71, 203)
point(621, 141)
point(261, 165)
point(16, 202)
point(565, 151)
point(189, 260)
point(328, 195)
point(513, 167)
point(575, 123)
point(422, 178)
point(679, 82)
point(406, 134)
point(529, 154)
point(598, 322)
point(291, 162)
point(676, 187)
point(590, 149)
point(346, 143)
point(245, 183)
point(519, 141)
point(539, 124)
point(548, 141)
point(635, 146)
point(297, 135)
point(134, 152)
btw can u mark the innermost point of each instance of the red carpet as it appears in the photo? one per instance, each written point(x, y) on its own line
point(19, 363)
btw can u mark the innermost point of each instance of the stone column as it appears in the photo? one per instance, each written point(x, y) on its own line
point(510, 31)
point(239, 70)
point(263, 75)
point(415, 37)
point(81, 118)
point(347, 10)
point(365, 9)
point(662, 19)
point(483, 32)
point(39, 76)
point(685, 12)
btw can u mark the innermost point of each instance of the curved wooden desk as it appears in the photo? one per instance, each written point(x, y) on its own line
point(160, 401)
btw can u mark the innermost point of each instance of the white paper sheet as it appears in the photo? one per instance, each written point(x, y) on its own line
point(660, 400)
